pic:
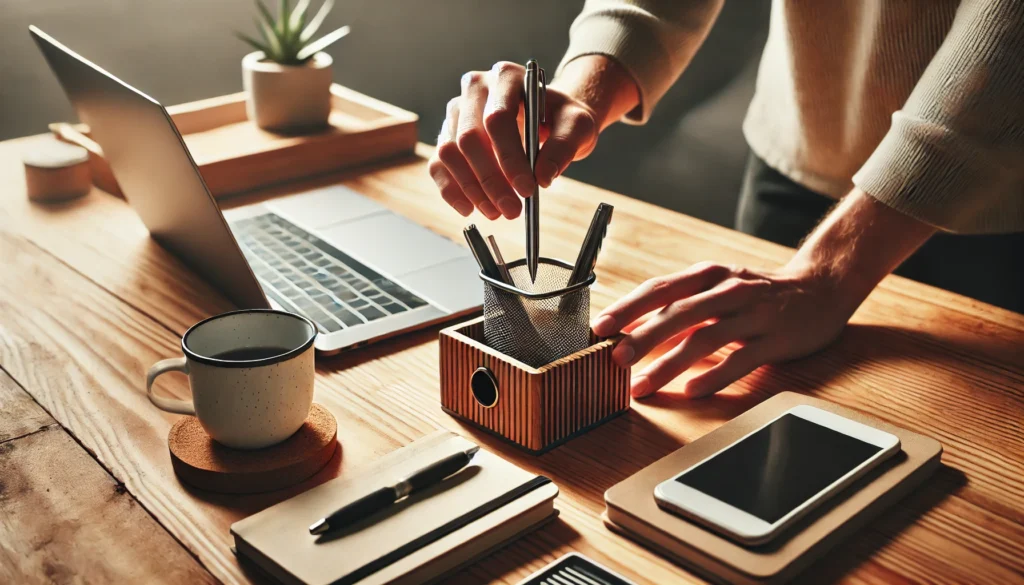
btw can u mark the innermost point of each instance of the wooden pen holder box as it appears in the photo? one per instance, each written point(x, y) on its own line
point(535, 408)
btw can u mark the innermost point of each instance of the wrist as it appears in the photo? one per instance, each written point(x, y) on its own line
point(856, 246)
point(601, 84)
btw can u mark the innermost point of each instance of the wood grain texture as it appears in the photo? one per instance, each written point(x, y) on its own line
point(63, 519)
point(19, 414)
point(537, 408)
point(914, 356)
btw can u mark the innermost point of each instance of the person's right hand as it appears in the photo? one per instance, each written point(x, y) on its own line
point(480, 160)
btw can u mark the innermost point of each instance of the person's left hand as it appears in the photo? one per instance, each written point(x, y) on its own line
point(772, 316)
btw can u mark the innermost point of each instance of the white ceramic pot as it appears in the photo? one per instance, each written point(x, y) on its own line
point(287, 97)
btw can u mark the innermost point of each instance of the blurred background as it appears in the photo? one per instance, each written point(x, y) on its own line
point(689, 157)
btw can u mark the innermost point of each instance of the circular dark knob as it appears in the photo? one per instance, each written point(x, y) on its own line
point(485, 387)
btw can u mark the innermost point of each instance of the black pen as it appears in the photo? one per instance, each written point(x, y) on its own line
point(587, 258)
point(386, 496)
point(481, 252)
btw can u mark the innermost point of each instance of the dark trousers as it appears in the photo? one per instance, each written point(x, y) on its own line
point(989, 268)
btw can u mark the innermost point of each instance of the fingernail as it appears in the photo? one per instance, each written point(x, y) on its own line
point(488, 210)
point(524, 185)
point(623, 355)
point(639, 386)
point(604, 326)
point(463, 207)
point(509, 207)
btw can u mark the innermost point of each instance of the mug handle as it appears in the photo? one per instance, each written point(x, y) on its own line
point(169, 404)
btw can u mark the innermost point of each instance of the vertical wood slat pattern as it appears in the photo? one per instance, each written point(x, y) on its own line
point(536, 407)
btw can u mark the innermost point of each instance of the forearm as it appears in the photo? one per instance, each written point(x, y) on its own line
point(602, 84)
point(858, 244)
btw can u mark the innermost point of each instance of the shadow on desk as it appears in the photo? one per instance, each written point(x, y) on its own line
point(880, 532)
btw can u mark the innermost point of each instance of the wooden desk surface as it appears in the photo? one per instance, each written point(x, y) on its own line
point(89, 301)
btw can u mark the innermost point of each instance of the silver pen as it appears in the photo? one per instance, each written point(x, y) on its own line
point(534, 87)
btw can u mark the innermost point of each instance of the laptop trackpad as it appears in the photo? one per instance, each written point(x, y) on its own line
point(392, 243)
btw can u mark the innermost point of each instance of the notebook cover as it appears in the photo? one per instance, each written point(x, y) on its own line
point(632, 510)
point(278, 541)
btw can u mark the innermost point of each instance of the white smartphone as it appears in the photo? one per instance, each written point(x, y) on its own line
point(756, 487)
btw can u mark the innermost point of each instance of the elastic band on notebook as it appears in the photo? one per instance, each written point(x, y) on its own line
point(442, 531)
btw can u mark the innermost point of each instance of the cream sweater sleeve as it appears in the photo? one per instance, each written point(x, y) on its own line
point(653, 39)
point(957, 146)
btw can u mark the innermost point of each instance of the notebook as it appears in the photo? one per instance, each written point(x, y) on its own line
point(427, 536)
point(632, 510)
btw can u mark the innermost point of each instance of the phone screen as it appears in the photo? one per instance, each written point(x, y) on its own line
point(770, 473)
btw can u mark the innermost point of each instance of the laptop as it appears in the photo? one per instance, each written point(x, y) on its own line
point(360, 271)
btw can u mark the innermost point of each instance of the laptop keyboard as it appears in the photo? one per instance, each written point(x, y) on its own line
point(306, 274)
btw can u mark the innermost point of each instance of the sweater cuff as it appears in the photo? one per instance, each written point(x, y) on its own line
point(937, 176)
point(638, 52)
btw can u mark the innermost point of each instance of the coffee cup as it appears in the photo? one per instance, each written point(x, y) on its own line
point(251, 373)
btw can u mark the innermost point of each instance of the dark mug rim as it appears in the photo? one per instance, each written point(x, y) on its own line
point(267, 361)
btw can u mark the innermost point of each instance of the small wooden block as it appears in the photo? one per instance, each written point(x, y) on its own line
point(55, 170)
point(201, 462)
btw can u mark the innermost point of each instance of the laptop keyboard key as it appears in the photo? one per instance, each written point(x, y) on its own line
point(371, 313)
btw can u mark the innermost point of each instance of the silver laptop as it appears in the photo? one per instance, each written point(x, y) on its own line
point(358, 270)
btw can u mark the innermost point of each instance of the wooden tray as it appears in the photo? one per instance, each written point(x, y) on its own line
point(234, 155)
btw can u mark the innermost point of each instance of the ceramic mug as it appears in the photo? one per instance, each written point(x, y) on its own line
point(251, 374)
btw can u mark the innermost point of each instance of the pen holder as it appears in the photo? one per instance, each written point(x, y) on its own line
point(534, 405)
point(539, 321)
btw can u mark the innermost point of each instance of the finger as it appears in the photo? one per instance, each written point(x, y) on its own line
point(449, 154)
point(656, 293)
point(501, 120)
point(736, 365)
point(449, 187)
point(477, 149)
point(572, 136)
point(725, 299)
point(704, 342)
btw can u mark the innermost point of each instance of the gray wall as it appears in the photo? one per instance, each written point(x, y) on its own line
point(410, 53)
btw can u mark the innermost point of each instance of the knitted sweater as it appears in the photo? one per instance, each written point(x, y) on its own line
point(920, 103)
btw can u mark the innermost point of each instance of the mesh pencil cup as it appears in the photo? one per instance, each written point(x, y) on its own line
point(530, 370)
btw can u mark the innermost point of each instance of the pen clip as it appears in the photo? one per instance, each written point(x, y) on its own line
point(543, 95)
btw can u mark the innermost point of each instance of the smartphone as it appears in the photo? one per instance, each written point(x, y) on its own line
point(755, 488)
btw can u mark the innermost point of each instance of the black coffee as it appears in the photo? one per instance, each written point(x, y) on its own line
point(244, 354)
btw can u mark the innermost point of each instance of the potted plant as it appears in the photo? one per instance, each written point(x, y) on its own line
point(288, 77)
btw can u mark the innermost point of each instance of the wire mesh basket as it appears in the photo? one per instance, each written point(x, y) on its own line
point(541, 321)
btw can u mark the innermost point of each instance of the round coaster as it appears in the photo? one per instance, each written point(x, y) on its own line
point(204, 463)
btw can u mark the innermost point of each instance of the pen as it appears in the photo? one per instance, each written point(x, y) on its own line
point(502, 266)
point(481, 253)
point(379, 500)
point(587, 258)
point(534, 87)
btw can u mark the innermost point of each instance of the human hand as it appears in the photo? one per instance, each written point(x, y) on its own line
point(771, 315)
point(480, 160)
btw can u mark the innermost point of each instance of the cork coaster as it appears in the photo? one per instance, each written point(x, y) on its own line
point(201, 462)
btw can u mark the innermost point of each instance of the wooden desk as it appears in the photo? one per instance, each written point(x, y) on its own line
point(89, 301)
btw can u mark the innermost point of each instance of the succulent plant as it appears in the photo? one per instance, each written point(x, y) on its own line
point(288, 39)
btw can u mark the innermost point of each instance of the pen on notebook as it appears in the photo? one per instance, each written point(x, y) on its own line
point(384, 497)
point(534, 87)
point(481, 252)
point(502, 266)
point(587, 258)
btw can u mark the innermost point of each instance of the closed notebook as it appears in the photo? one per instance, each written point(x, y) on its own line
point(425, 536)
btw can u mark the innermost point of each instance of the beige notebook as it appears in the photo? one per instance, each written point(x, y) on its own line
point(422, 538)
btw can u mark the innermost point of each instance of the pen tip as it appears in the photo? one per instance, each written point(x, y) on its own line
point(472, 450)
point(319, 527)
